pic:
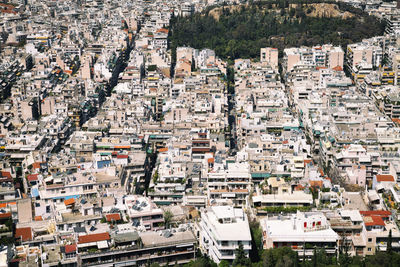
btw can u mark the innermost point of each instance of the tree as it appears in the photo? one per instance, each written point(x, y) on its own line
point(203, 261)
point(241, 258)
point(256, 238)
point(314, 258)
point(296, 260)
point(168, 218)
point(268, 259)
point(389, 242)
point(193, 66)
point(155, 176)
point(242, 33)
point(223, 263)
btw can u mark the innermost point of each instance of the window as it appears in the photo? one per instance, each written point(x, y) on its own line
point(369, 239)
point(369, 249)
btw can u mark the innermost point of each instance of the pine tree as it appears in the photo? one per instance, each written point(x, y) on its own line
point(193, 66)
point(314, 259)
point(389, 242)
point(241, 259)
point(296, 260)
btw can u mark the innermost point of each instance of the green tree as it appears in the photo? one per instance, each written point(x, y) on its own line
point(296, 260)
point(241, 258)
point(256, 238)
point(203, 261)
point(268, 258)
point(314, 258)
point(223, 263)
point(389, 242)
point(193, 65)
point(155, 176)
point(168, 218)
point(242, 33)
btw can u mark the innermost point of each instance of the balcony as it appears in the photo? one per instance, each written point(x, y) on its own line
point(135, 255)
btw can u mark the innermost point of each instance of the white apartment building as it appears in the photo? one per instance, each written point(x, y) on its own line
point(221, 230)
point(302, 232)
point(230, 185)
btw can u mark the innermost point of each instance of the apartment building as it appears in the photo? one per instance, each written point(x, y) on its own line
point(302, 232)
point(221, 230)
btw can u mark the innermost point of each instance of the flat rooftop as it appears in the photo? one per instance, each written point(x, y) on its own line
point(153, 239)
point(291, 230)
point(228, 223)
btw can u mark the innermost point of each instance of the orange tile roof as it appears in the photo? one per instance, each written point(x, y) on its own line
point(396, 120)
point(163, 149)
point(384, 178)
point(36, 165)
point(373, 221)
point(5, 215)
point(382, 213)
point(299, 187)
point(70, 201)
point(338, 68)
point(316, 183)
point(38, 218)
point(32, 177)
point(6, 174)
point(162, 30)
point(24, 233)
point(70, 248)
point(93, 238)
point(4, 205)
point(113, 217)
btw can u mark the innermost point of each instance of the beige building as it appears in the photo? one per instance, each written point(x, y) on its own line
point(359, 54)
point(48, 106)
point(292, 59)
point(184, 53)
point(335, 57)
point(270, 56)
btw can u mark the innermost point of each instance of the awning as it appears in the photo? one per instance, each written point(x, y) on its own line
point(122, 147)
point(67, 197)
point(260, 175)
point(102, 244)
point(103, 147)
point(228, 195)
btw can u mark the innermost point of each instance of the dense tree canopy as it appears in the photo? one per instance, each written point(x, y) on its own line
point(240, 32)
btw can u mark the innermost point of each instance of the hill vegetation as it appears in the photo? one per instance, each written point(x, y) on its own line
point(240, 31)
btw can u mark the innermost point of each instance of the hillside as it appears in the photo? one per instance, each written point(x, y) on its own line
point(240, 31)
